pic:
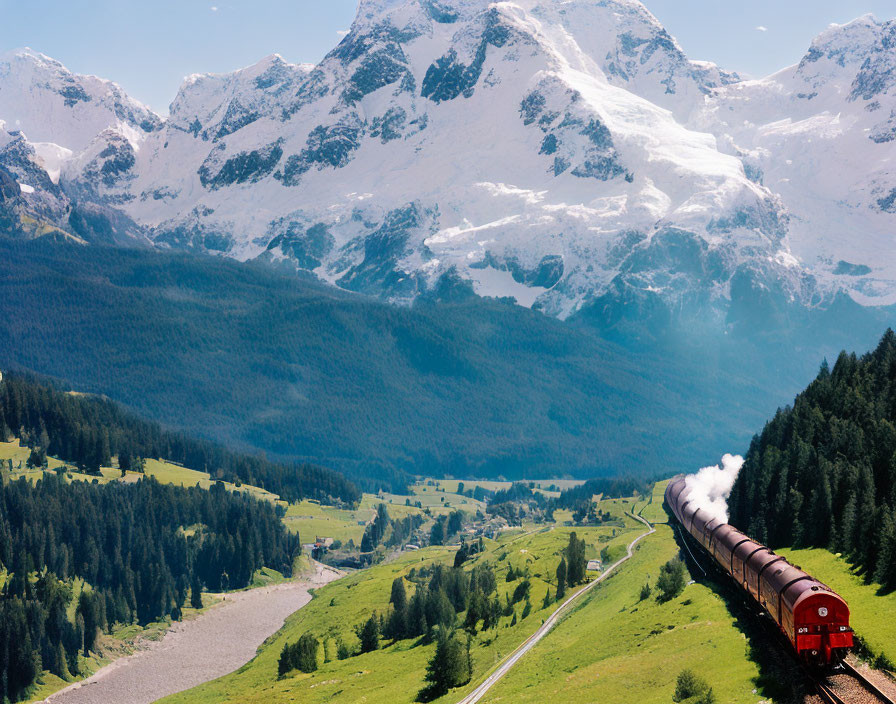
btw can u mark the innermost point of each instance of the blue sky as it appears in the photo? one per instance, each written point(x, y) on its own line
point(149, 46)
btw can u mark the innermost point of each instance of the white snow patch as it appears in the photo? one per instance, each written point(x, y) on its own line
point(52, 158)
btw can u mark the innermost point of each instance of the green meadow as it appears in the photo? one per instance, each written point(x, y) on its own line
point(310, 519)
point(613, 647)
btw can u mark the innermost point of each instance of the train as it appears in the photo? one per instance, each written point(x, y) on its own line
point(811, 615)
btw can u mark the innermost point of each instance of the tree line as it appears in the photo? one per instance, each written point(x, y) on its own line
point(394, 532)
point(823, 472)
point(88, 431)
point(140, 547)
point(523, 501)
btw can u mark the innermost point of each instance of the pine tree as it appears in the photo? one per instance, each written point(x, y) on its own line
point(671, 581)
point(437, 534)
point(846, 542)
point(693, 689)
point(475, 611)
point(369, 634)
point(885, 569)
point(576, 563)
point(645, 591)
point(561, 579)
point(399, 596)
point(301, 655)
point(865, 520)
point(451, 666)
point(305, 656)
point(196, 593)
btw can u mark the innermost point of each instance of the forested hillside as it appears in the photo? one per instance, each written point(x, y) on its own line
point(88, 431)
point(141, 548)
point(823, 472)
point(259, 358)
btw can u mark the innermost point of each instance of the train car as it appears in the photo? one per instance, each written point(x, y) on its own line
point(813, 618)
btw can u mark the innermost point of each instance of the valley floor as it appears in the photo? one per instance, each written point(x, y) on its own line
point(196, 651)
point(612, 647)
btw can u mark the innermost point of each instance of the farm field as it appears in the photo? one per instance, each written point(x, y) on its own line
point(395, 673)
point(311, 519)
point(866, 603)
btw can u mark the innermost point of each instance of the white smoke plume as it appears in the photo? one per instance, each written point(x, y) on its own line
point(711, 486)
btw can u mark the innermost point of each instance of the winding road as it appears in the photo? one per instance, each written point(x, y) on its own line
point(546, 627)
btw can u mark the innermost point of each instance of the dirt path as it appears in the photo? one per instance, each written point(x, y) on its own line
point(214, 644)
point(546, 627)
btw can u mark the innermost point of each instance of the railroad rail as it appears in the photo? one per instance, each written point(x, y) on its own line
point(860, 690)
point(828, 696)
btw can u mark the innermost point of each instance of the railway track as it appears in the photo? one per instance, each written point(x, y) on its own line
point(850, 687)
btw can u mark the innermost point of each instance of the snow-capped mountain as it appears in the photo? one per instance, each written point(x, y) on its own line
point(822, 136)
point(559, 152)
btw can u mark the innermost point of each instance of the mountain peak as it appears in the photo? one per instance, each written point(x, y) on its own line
point(846, 43)
point(26, 52)
point(50, 103)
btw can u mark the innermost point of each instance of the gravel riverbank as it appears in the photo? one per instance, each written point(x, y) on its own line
point(215, 643)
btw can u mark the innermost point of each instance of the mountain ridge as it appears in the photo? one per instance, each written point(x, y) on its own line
point(564, 154)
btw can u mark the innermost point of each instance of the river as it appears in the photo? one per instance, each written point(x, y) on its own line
point(213, 644)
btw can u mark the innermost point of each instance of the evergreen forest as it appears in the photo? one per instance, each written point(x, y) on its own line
point(141, 549)
point(823, 471)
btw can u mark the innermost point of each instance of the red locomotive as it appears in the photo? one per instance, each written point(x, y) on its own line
point(811, 615)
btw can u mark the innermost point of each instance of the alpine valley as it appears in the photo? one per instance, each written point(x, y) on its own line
point(656, 212)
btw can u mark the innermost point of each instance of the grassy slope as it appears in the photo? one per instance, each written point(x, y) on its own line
point(165, 472)
point(395, 674)
point(450, 485)
point(866, 604)
point(614, 648)
point(311, 519)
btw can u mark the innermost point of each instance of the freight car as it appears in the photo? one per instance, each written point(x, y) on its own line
point(811, 615)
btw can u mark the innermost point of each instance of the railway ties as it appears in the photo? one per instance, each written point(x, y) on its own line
point(850, 687)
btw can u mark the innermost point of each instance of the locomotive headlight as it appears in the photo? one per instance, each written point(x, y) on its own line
point(823, 612)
